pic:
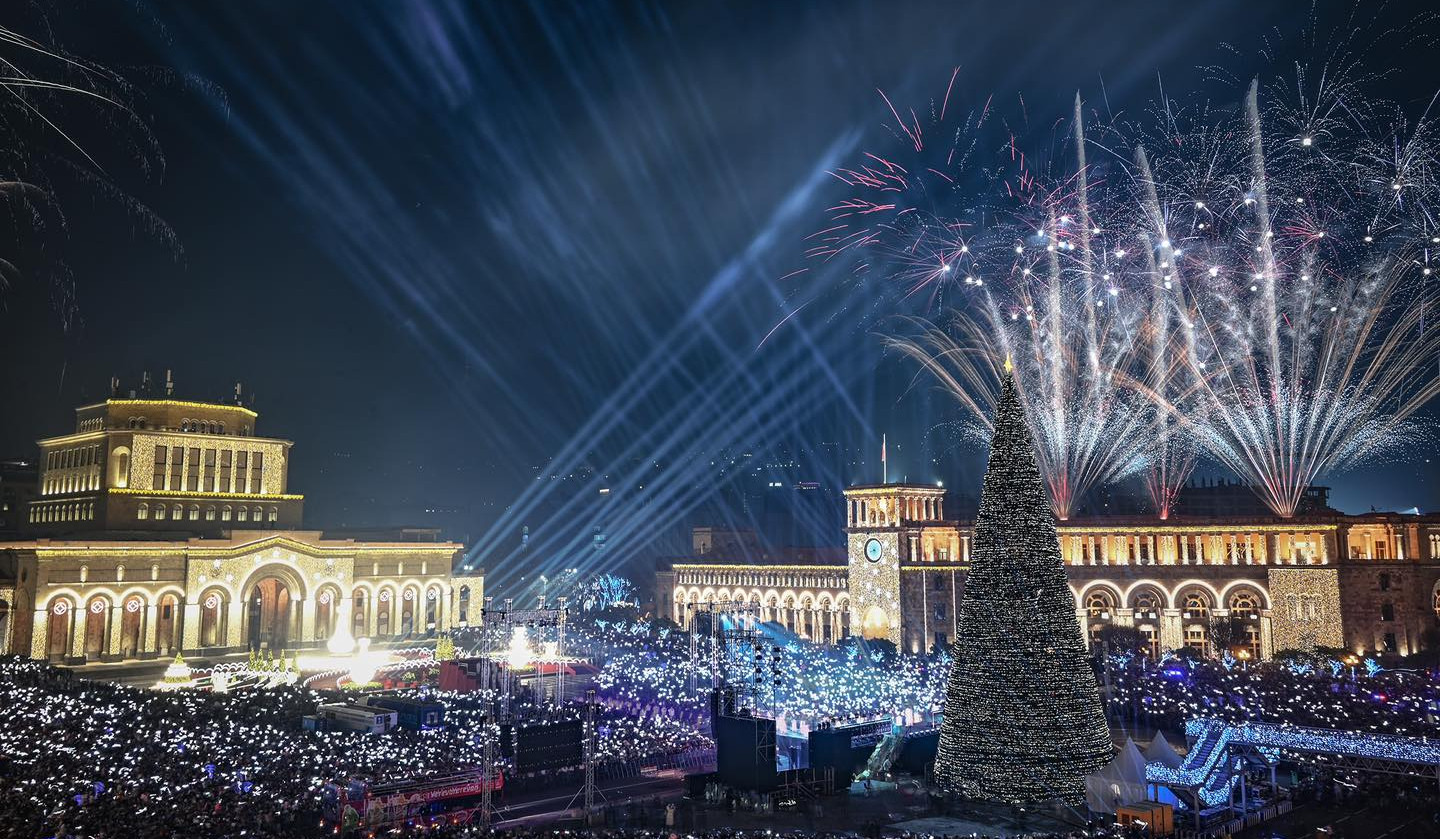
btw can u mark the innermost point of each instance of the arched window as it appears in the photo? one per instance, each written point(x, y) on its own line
point(159, 512)
point(143, 511)
point(225, 513)
point(242, 513)
point(210, 512)
point(274, 514)
point(1147, 606)
point(1244, 604)
point(257, 514)
point(1196, 606)
point(194, 512)
point(1100, 605)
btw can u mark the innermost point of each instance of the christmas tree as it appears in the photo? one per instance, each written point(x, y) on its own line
point(1023, 721)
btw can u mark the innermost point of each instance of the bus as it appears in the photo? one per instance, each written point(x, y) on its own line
point(444, 799)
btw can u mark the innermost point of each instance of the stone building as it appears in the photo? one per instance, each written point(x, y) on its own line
point(162, 526)
point(1369, 583)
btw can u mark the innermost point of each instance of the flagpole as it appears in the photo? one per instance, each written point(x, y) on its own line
point(884, 464)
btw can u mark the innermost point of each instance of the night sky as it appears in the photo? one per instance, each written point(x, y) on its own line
point(481, 260)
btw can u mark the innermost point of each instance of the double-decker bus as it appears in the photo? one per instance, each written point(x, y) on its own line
point(448, 799)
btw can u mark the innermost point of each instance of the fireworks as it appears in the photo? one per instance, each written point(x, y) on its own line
point(1250, 282)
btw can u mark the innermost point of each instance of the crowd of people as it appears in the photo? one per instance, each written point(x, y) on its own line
point(649, 667)
point(87, 758)
point(1313, 694)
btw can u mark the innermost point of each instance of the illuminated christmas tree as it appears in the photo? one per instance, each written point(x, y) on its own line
point(1023, 720)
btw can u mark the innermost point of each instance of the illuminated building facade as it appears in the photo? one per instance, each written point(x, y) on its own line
point(164, 526)
point(1369, 583)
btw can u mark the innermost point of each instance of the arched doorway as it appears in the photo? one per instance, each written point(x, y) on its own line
point(165, 624)
point(359, 605)
point(432, 611)
point(270, 615)
point(875, 623)
point(325, 605)
point(97, 615)
point(58, 628)
point(212, 619)
point(407, 612)
point(131, 621)
point(382, 615)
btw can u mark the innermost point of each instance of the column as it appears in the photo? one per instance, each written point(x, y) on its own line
point(233, 623)
point(1267, 637)
point(112, 635)
point(190, 626)
point(307, 618)
point(1172, 633)
point(150, 641)
point(79, 619)
point(40, 634)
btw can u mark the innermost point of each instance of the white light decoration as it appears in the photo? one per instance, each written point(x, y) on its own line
point(1023, 720)
point(519, 655)
point(341, 642)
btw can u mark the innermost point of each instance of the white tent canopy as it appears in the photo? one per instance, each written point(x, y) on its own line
point(1119, 783)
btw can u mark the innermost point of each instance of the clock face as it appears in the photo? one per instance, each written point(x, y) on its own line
point(874, 550)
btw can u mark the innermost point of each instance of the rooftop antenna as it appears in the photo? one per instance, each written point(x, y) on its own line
point(145, 383)
point(238, 400)
point(114, 386)
point(169, 384)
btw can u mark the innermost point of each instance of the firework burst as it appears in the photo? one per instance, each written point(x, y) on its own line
point(1249, 281)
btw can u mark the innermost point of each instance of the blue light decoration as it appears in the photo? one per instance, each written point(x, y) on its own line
point(1372, 667)
point(1336, 668)
point(1213, 738)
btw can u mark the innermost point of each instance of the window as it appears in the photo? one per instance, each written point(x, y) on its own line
point(1390, 645)
point(225, 458)
point(192, 478)
point(159, 512)
point(1196, 606)
point(194, 512)
point(1387, 611)
point(157, 478)
point(242, 460)
point(210, 513)
point(274, 514)
point(1244, 604)
point(143, 511)
point(177, 462)
point(225, 513)
point(1384, 582)
point(210, 485)
point(256, 514)
point(1099, 605)
point(1147, 606)
point(257, 471)
point(241, 513)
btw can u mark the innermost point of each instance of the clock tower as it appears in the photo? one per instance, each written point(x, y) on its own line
point(884, 524)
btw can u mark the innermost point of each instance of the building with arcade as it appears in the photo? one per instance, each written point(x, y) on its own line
point(1368, 583)
point(160, 526)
